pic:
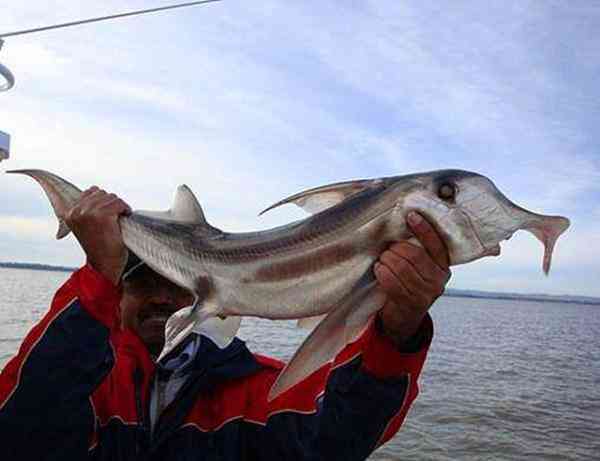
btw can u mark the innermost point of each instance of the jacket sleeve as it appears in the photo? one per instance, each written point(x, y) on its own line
point(345, 410)
point(45, 406)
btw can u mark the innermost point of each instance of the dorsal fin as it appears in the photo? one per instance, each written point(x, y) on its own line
point(320, 198)
point(185, 208)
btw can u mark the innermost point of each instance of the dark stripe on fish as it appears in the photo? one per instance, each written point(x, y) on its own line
point(306, 264)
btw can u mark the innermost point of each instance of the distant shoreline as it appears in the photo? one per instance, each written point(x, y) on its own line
point(450, 292)
point(38, 267)
point(523, 297)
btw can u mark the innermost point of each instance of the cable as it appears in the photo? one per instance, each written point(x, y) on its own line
point(10, 79)
point(106, 18)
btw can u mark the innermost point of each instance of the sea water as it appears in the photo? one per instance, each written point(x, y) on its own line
point(504, 380)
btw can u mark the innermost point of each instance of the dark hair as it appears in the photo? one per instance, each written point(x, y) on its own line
point(134, 263)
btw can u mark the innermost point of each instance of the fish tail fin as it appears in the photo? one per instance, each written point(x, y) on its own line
point(341, 326)
point(63, 229)
point(61, 193)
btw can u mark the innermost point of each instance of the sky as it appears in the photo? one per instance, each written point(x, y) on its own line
point(249, 102)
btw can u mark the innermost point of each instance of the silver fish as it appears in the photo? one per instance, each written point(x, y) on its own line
point(321, 265)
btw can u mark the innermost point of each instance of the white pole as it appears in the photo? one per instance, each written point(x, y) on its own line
point(4, 145)
point(8, 76)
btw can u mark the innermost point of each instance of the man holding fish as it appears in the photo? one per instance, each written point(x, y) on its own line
point(85, 384)
point(122, 367)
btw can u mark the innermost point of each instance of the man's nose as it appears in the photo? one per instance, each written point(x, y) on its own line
point(162, 296)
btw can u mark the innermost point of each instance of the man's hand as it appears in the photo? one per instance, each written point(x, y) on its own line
point(93, 220)
point(413, 278)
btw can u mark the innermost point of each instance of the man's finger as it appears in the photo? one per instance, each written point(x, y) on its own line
point(418, 256)
point(89, 191)
point(406, 272)
point(389, 282)
point(115, 206)
point(429, 238)
point(95, 201)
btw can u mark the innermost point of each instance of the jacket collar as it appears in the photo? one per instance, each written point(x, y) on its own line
point(234, 361)
point(130, 346)
point(210, 367)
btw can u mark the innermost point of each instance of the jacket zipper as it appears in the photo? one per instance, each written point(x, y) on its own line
point(138, 377)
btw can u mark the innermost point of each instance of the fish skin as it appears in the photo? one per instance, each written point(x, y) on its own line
point(318, 265)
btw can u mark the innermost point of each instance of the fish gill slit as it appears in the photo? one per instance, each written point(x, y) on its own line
point(474, 229)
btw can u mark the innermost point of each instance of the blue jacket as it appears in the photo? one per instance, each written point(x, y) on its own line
point(79, 389)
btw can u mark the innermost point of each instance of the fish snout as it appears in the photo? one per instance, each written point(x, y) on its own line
point(547, 229)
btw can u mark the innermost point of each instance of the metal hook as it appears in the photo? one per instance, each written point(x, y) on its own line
point(7, 74)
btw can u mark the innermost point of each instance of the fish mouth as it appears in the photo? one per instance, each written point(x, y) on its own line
point(547, 229)
point(483, 250)
point(493, 251)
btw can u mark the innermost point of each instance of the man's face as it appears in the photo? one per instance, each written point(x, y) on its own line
point(148, 301)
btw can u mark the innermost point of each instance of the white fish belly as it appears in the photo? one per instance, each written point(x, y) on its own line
point(306, 296)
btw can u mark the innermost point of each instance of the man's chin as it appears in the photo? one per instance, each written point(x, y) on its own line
point(152, 333)
point(154, 347)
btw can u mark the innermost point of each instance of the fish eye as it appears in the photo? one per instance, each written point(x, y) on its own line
point(446, 191)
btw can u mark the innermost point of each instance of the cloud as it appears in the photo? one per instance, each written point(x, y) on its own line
point(16, 226)
point(248, 102)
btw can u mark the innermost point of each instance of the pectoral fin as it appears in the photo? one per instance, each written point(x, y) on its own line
point(203, 319)
point(309, 323)
point(183, 322)
point(320, 198)
point(220, 331)
point(342, 325)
